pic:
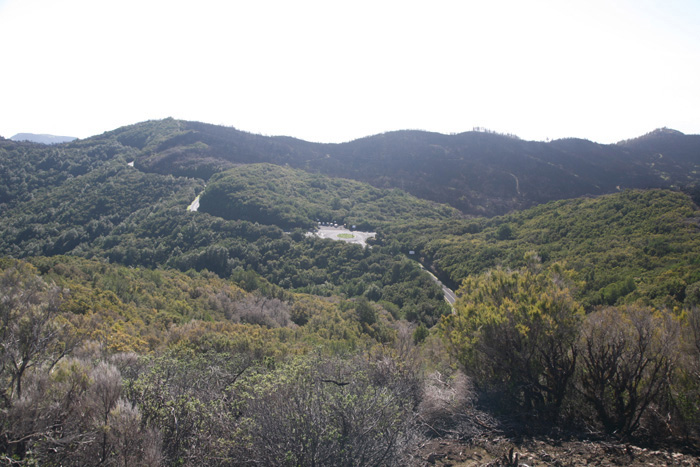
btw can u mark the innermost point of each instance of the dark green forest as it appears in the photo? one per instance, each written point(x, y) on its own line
point(135, 331)
point(479, 173)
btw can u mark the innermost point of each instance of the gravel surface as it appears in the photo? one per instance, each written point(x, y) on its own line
point(332, 232)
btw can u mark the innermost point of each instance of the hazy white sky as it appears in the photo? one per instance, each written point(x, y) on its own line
point(333, 71)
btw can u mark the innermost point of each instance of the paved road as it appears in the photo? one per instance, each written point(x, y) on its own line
point(195, 205)
point(449, 294)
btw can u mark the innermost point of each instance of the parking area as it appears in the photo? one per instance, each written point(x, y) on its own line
point(345, 235)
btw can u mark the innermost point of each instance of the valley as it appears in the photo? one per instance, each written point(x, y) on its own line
point(173, 294)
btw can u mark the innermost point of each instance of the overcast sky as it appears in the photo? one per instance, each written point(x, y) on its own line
point(332, 71)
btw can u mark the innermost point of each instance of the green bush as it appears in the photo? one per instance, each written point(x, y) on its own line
point(515, 333)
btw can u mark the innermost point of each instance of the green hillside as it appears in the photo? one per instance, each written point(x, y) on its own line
point(290, 198)
point(479, 173)
point(635, 245)
point(129, 217)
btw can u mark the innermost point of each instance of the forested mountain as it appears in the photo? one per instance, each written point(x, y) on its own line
point(136, 331)
point(479, 173)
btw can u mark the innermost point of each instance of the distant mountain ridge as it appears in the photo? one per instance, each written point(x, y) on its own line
point(479, 173)
point(42, 138)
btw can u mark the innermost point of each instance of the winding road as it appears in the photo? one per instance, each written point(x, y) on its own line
point(195, 205)
point(450, 296)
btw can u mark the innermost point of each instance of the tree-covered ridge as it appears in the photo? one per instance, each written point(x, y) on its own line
point(635, 245)
point(672, 153)
point(476, 172)
point(138, 219)
point(290, 198)
point(144, 136)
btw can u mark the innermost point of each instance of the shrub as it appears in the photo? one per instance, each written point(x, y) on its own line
point(447, 406)
point(686, 389)
point(515, 333)
point(320, 411)
point(627, 357)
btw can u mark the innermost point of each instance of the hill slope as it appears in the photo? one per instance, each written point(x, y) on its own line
point(81, 198)
point(624, 247)
point(272, 194)
point(478, 173)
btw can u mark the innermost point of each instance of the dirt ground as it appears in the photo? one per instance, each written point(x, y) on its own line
point(353, 236)
point(497, 453)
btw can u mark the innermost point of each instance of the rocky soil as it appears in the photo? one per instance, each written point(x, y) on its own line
point(502, 452)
